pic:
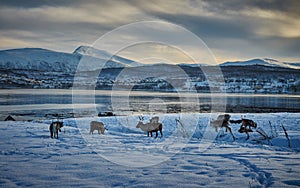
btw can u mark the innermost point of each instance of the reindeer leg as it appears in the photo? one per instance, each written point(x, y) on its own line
point(248, 136)
point(156, 134)
point(231, 132)
point(51, 130)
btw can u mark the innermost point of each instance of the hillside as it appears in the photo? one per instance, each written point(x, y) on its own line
point(41, 68)
point(38, 59)
point(263, 62)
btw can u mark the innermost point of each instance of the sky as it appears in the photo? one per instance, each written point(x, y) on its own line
point(232, 30)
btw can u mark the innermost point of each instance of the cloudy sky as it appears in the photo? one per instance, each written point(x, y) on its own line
point(231, 29)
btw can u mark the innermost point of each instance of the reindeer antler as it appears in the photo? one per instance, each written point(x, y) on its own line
point(141, 118)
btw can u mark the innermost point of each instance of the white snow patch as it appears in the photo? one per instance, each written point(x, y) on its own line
point(28, 157)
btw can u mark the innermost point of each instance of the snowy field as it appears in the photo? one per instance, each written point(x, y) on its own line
point(191, 155)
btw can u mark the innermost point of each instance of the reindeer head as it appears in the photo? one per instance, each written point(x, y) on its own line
point(141, 118)
point(226, 117)
point(254, 124)
point(139, 124)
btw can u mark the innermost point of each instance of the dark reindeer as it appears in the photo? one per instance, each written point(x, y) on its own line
point(54, 128)
point(246, 126)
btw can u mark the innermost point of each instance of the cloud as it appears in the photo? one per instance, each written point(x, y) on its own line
point(289, 7)
point(268, 18)
point(83, 22)
point(276, 24)
point(230, 28)
point(42, 16)
point(39, 3)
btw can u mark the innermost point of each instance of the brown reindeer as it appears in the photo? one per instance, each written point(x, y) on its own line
point(54, 128)
point(246, 126)
point(152, 126)
point(95, 125)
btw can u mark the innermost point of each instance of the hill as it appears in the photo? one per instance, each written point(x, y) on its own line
point(264, 62)
point(42, 68)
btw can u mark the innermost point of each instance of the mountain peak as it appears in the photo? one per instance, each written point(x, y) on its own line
point(264, 62)
point(93, 52)
point(27, 50)
point(102, 54)
point(270, 60)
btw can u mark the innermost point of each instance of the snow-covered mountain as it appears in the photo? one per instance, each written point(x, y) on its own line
point(41, 68)
point(38, 59)
point(101, 54)
point(193, 65)
point(264, 62)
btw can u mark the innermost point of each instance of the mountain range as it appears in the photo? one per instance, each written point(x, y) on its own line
point(46, 60)
point(263, 62)
point(42, 68)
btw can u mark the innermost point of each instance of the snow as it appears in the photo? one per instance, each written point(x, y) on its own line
point(190, 156)
point(96, 53)
point(52, 61)
point(264, 62)
point(38, 59)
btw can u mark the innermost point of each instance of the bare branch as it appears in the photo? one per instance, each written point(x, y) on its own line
point(286, 135)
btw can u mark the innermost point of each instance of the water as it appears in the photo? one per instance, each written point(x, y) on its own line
point(40, 102)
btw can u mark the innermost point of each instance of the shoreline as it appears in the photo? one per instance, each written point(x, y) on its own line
point(65, 115)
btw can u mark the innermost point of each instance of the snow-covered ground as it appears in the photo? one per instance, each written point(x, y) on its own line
point(192, 155)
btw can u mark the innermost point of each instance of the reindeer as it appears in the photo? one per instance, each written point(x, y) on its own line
point(223, 121)
point(95, 125)
point(152, 126)
point(54, 128)
point(246, 126)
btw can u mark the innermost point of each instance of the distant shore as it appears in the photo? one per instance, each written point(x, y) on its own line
point(229, 109)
